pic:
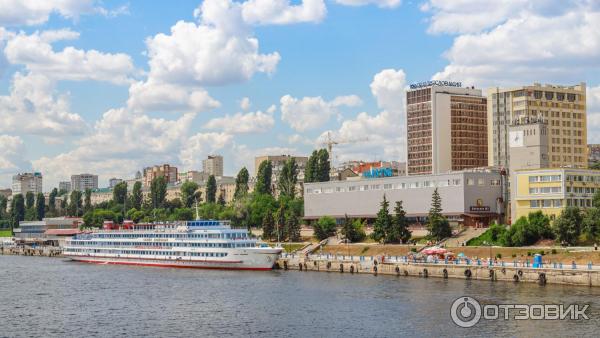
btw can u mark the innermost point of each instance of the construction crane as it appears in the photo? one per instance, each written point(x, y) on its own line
point(330, 142)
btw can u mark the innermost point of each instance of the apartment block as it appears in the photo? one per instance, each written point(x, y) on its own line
point(562, 107)
point(82, 182)
point(26, 182)
point(213, 165)
point(165, 170)
point(446, 129)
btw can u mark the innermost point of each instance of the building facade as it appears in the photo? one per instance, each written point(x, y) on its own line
point(528, 145)
point(446, 129)
point(82, 182)
point(64, 185)
point(469, 197)
point(113, 182)
point(101, 195)
point(552, 190)
point(593, 153)
point(192, 176)
point(213, 165)
point(26, 182)
point(562, 107)
point(165, 170)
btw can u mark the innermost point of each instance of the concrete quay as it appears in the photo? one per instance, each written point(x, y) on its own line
point(585, 275)
point(47, 251)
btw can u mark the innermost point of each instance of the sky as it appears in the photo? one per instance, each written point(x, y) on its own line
point(109, 87)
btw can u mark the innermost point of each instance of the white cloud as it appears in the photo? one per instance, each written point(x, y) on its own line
point(245, 103)
point(200, 145)
point(299, 139)
point(255, 122)
point(165, 97)
point(375, 137)
point(12, 150)
point(541, 42)
point(32, 107)
point(119, 144)
point(36, 53)
point(35, 12)
point(311, 112)
point(380, 3)
point(282, 12)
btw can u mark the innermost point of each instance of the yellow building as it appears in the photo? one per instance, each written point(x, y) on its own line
point(552, 190)
point(563, 108)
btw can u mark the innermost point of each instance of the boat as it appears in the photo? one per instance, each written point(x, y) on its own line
point(207, 244)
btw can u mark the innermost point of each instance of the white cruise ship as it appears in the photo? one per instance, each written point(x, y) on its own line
point(205, 244)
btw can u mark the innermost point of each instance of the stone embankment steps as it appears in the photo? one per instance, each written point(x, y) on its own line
point(580, 276)
point(463, 237)
point(31, 251)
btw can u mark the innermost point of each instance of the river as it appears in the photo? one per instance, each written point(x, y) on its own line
point(53, 297)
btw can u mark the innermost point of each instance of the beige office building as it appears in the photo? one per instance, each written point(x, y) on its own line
point(213, 165)
point(165, 170)
point(562, 107)
point(446, 129)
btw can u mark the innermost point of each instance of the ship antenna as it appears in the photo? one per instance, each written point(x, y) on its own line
point(197, 213)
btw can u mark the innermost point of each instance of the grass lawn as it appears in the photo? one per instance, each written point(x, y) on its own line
point(5, 233)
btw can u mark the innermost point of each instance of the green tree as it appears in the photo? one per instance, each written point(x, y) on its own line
point(75, 204)
point(438, 225)
point(40, 206)
point(241, 184)
point(52, 201)
point(136, 196)
point(87, 201)
point(263, 178)
point(257, 206)
point(568, 225)
point(158, 192)
point(596, 199)
point(3, 206)
point(189, 193)
point(591, 223)
point(221, 199)
point(17, 210)
point(310, 171)
point(292, 224)
point(323, 166)
point(288, 178)
point(120, 193)
point(29, 200)
point(352, 230)
point(324, 228)
point(268, 226)
point(383, 222)
point(399, 232)
point(211, 189)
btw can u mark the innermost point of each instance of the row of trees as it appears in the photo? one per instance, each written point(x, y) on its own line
point(29, 208)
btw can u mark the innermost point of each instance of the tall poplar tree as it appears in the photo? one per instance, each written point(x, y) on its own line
point(211, 189)
point(263, 178)
point(288, 178)
point(40, 206)
point(438, 225)
point(241, 183)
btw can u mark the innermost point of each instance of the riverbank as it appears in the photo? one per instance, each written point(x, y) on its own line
point(555, 273)
point(47, 251)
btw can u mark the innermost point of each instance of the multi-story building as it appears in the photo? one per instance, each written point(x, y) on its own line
point(225, 188)
point(278, 161)
point(26, 182)
point(192, 176)
point(82, 182)
point(551, 190)
point(469, 197)
point(113, 182)
point(5, 192)
point(593, 153)
point(165, 170)
point(213, 165)
point(101, 195)
point(446, 128)
point(64, 185)
point(528, 145)
point(562, 107)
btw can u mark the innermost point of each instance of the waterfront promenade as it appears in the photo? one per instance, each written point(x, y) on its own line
point(514, 271)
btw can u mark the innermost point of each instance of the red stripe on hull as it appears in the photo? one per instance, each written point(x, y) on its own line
point(172, 265)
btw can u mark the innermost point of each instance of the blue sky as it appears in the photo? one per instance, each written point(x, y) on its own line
point(114, 103)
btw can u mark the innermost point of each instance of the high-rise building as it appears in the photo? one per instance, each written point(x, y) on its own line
point(82, 182)
point(213, 165)
point(528, 144)
point(165, 170)
point(446, 128)
point(562, 107)
point(113, 182)
point(64, 185)
point(26, 182)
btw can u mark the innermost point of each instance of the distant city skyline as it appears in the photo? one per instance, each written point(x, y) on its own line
point(112, 87)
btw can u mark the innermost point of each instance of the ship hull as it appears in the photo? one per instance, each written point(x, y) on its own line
point(255, 261)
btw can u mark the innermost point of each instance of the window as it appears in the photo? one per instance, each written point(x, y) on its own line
point(352, 188)
point(387, 186)
point(494, 182)
point(340, 189)
point(470, 181)
point(533, 179)
point(546, 203)
point(480, 181)
point(533, 204)
point(375, 187)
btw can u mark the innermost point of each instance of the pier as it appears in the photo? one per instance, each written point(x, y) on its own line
point(25, 250)
point(401, 266)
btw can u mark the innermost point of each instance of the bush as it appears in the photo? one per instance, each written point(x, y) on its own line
point(553, 251)
point(528, 253)
point(413, 249)
point(542, 252)
point(499, 255)
point(513, 255)
point(324, 228)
